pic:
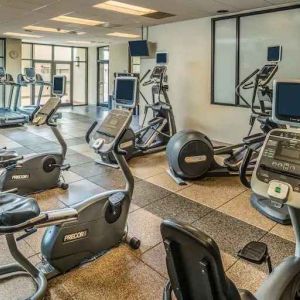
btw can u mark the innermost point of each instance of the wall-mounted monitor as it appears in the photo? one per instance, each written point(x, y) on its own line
point(275, 53)
point(161, 58)
point(142, 48)
point(138, 48)
point(59, 85)
point(286, 102)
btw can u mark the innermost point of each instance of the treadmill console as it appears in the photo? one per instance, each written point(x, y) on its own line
point(266, 73)
point(106, 134)
point(45, 112)
point(2, 73)
point(277, 172)
point(30, 74)
point(158, 71)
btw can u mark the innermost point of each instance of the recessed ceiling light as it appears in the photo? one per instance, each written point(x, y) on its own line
point(81, 33)
point(45, 29)
point(16, 34)
point(67, 19)
point(124, 8)
point(122, 34)
point(79, 42)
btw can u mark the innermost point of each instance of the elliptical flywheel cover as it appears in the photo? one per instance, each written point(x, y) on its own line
point(190, 154)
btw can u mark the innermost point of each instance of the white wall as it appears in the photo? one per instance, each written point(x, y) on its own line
point(189, 46)
point(13, 65)
point(92, 76)
point(118, 61)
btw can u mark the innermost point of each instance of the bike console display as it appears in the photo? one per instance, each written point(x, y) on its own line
point(126, 91)
point(277, 173)
point(44, 113)
point(109, 131)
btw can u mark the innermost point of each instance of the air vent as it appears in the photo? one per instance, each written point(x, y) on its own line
point(158, 15)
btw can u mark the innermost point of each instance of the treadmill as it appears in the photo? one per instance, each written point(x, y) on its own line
point(8, 116)
point(31, 78)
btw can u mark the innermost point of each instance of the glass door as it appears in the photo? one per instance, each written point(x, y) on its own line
point(103, 79)
point(44, 69)
point(103, 76)
point(65, 69)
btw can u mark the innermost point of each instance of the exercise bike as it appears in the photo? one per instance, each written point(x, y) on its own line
point(76, 234)
point(155, 133)
point(193, 259)
point(191, 153)
point(36, 172)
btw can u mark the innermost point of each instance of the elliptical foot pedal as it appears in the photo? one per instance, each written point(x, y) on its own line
point(257, 253)
point(133, 242)
point(65, 167)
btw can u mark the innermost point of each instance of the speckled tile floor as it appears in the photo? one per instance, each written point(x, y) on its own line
point(219, 207)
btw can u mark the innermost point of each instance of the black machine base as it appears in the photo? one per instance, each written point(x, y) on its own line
point(265, 207)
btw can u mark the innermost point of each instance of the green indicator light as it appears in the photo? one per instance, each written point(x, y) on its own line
point(278, 189)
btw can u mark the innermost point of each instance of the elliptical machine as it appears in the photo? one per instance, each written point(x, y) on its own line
point(76, 234)
point(153, 136)
point(36, 172)
point(193, 259)
point(272, 210)
point(191, 153)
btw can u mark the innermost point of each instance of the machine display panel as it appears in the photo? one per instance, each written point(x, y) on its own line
point(59, 83)
point(274, 53)
point(286, 103)
point(126, 91)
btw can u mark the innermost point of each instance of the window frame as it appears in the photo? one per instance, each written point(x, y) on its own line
point(53, 62)
point(238, 17)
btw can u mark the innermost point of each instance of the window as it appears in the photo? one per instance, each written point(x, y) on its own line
point(49, 60)
point(79, 54)
point(26, 51)
point(240, 46)
point(103, 76)
point(26, 90)
point(2, 64)
point(225, 61)
point(62, 53)
point(42, 52)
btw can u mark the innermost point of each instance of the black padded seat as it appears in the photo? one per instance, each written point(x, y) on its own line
point(195, 266)
point(15, 209)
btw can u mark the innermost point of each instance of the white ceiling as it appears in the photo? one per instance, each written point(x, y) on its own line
point(15, 14)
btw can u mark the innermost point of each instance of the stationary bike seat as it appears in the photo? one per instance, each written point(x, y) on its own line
point(15, 209)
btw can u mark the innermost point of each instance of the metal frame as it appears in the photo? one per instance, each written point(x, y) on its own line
point(53, 62)
point(4, 62)
point(99, 103)
point(237, 53)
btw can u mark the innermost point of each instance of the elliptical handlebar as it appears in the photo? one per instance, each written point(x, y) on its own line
point(44, 219)
point(246, 86)
point(145, 75)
